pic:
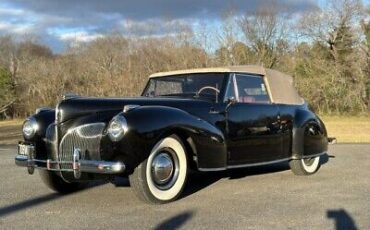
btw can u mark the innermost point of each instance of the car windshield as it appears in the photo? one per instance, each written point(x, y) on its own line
point(205, 85)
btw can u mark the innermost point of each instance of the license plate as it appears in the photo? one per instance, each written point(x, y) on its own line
point(26, 150)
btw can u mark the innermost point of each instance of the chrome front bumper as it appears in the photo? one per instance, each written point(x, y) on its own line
point(77, 165)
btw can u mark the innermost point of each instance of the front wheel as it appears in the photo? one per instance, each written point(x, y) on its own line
point(305, 166)
point(161, 177)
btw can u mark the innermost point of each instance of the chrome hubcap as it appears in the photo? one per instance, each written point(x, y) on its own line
point(162, 168)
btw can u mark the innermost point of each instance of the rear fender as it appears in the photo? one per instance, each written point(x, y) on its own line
point(309, 135)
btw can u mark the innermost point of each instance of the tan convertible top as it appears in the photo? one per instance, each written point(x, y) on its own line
point(280, 85)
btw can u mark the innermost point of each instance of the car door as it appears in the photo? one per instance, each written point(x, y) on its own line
point(253, 124)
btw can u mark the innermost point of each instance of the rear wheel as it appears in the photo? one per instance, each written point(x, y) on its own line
point(305, 166)
point(57, 184)
point(161, 178)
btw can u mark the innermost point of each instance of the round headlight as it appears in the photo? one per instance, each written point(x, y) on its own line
point(117, 128)
point(30, 128)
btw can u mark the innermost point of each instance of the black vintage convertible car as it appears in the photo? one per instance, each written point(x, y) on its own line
point(203, 119)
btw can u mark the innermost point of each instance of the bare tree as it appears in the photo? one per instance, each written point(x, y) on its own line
point(227, 37)
point(332, 26)
point(263, 30)
point(335, 28)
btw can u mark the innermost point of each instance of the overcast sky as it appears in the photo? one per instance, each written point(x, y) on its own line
point(56, 22)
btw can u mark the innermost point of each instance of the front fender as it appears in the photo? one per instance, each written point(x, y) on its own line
point(43, 118)
point(309, 134)
point(149, 124)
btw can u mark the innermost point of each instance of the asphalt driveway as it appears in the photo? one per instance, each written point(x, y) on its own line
point(269, 197)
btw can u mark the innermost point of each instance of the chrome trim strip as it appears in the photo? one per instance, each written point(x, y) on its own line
point(212, 169)
point(260, 163)
point(42, 109)
point(57, 111)
point(55, 145)
point(257, 164)
point(91, 166)
point(129, 107)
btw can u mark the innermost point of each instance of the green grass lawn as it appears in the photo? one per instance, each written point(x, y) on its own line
point(347, 129)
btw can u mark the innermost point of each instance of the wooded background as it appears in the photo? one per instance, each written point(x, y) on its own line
point(327, 51)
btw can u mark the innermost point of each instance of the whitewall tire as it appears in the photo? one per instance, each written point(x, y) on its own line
point(305, 166)
point(161, 177)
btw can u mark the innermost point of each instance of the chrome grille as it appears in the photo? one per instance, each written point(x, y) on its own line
point(86, 138)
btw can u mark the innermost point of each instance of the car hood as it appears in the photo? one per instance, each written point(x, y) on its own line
point(82, 106)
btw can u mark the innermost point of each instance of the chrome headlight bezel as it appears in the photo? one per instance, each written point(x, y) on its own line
point(117, 128)
point(30, 128)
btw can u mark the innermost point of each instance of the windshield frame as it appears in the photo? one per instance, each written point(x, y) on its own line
point(220, 95)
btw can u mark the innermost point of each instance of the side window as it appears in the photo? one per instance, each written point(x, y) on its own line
point(251, 89)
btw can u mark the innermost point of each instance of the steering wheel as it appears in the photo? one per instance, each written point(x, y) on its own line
point(207, 87)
